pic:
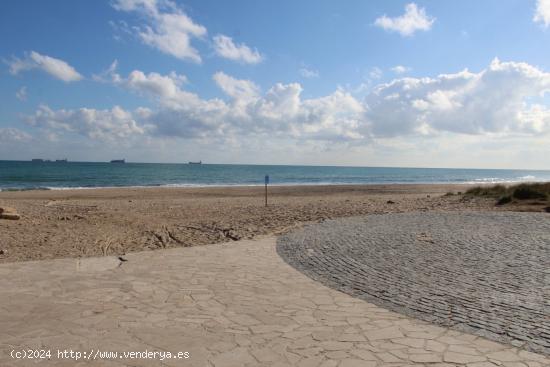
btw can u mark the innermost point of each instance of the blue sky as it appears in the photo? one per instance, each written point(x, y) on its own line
point(281, 82)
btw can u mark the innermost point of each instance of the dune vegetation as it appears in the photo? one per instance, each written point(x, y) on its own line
point(525, 193)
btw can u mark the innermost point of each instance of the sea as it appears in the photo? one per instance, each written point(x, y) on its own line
point(27, 175)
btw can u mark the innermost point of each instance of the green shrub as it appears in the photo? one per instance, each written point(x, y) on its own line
point(506, 194)
point(490, 191)
point(524, 192)
point(504, 200)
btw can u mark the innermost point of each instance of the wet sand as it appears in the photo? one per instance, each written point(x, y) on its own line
point(80, 223)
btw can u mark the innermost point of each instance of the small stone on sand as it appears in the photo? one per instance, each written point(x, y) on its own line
point(9, 213)
point(11, 216)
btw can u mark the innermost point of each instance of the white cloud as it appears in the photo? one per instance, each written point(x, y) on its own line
point(414, 19)
point(108, 75)
point(21, 94)
point(150, 6)
point(163, 88)
point(168, 28)
point(166, 86)
point(279, 112)
point(55, 67)
point(542, 13)
point(13, 135)
point(461, 104)
point(225, 47)
point(235, 88)
point(493, 101)
point(400, 69)
point(309, 73)
point(121, 29)
point(375, 73)
point(112, 124)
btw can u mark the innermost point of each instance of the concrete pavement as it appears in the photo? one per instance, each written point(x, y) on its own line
point(234, 304)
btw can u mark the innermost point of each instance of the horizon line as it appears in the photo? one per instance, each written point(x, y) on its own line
point(289, 165)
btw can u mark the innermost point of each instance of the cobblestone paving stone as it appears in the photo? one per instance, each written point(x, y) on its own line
point(229, 305)
point(481, 272)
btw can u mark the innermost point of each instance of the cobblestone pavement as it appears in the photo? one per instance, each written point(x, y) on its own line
point(235, 304)
point(485, 273)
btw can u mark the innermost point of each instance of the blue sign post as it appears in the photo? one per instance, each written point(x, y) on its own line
point(266, 182)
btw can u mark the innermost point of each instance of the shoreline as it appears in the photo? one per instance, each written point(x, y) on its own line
point(239, 185)
point(229, 186)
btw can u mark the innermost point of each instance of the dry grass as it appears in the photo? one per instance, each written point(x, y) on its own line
point(532, 193)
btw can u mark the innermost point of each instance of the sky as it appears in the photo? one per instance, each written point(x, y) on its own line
point(349, 83)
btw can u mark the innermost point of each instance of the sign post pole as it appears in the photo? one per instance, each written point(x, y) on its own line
point(266, 182)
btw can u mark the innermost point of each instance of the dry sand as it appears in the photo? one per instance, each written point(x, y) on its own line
point(75, 223)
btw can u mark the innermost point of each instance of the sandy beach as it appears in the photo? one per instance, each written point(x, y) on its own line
point(92, 222)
